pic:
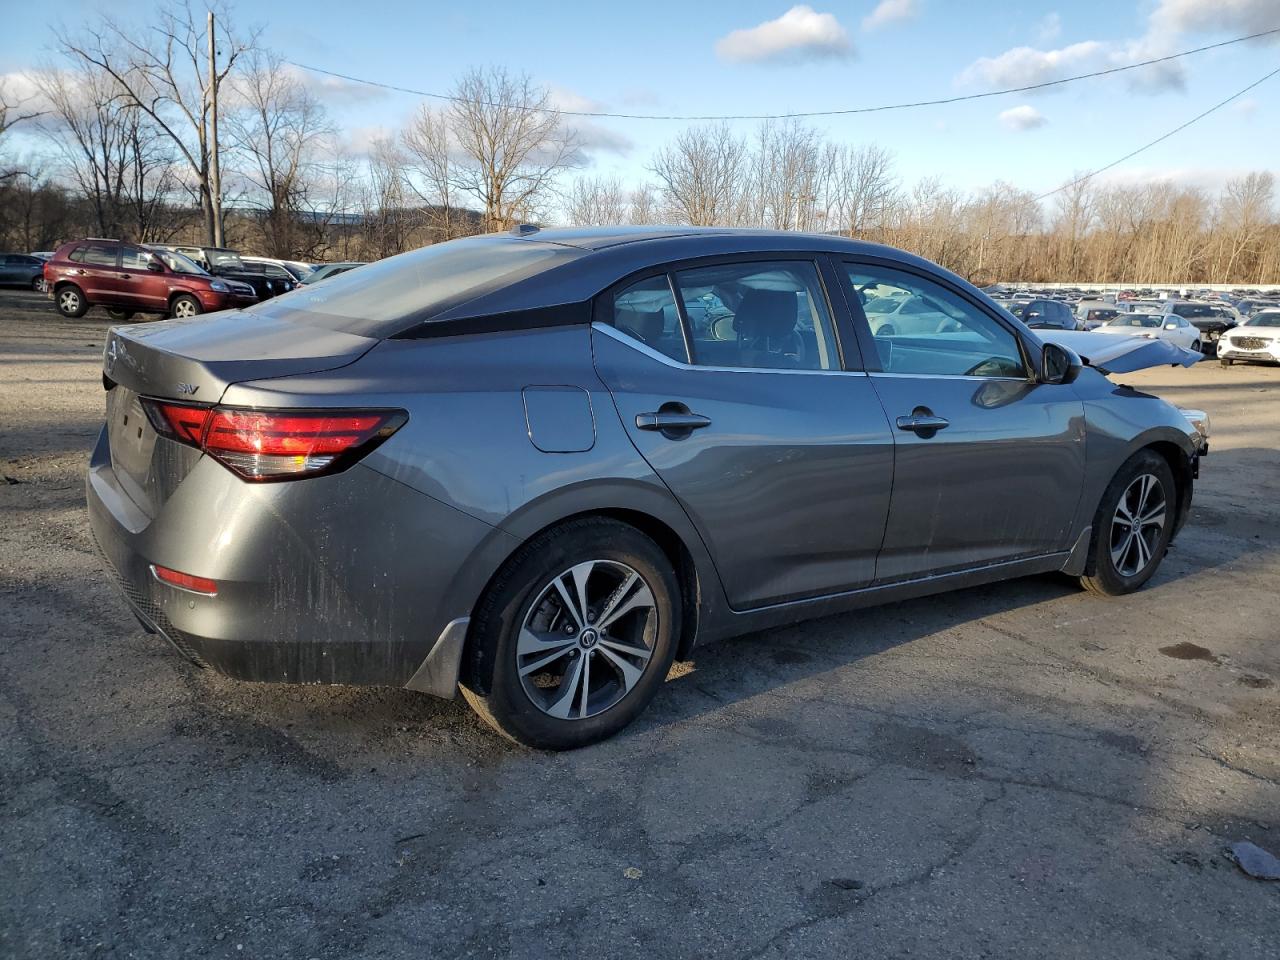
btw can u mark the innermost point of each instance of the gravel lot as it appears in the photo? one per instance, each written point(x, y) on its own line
point(1020, 770)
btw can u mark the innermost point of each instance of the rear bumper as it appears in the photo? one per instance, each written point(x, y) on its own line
point(351, 578)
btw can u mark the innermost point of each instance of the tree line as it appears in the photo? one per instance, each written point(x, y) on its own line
point(150, 135)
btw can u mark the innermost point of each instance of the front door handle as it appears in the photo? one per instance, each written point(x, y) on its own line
point(923, 422)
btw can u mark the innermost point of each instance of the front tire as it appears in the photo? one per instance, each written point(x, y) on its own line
point(71, 302)
point(1226, 361)
point(184, 306)
point(574, 636)
point(37, 284)
point(1133, 526)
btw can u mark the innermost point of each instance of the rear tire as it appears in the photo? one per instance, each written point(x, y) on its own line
point(183, 306)
point(558, 676)
point(1197, 346)
point(1132, 527)
point(37, 284)
point(71, 302)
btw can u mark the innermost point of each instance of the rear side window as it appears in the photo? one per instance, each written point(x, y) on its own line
point(768, 315)
point(388, 297)
point(646, 311)
point(77, 255)
point(101, 254)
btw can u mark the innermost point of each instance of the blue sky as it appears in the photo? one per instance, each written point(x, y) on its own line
point(662, 56)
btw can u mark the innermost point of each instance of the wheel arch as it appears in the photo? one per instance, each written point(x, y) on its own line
point(699, 584)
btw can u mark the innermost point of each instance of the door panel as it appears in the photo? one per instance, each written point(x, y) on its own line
point(98, 273)
point(788, 483)
point(989, 463)
point(1000, 480)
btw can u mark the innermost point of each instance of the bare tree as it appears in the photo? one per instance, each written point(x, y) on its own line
point(429, 144)
point(384, 204)
point(643, 208)
point(511, 144)
point(279, 129)
point(1245, 211)
point(860, 189)
point(702, 176)
point(785, 176)
point(165, 72)
point(597, 201)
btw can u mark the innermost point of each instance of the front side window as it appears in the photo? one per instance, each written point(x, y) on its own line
point(767, 315)
point(133, 258)
point(646, 311)
point(951, 338)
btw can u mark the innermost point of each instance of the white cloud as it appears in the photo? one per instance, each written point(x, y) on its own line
point(799, 34)
point(1246, 107)
point(591, 135)
point(334, 90)
point(1024, 66)
point(1234, 16)
point(1025, 117)
point(1171, 26)
point(890, 11)
point(1049, 27)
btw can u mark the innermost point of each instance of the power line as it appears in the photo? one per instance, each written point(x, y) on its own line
point(1159, 139)
point(602, 114)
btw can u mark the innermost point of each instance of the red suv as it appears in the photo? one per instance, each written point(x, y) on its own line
point(127, 278)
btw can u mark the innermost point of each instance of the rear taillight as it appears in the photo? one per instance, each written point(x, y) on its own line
point(266, 445)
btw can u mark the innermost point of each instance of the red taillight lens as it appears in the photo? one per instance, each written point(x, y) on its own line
point(277, 444)
point(180, 422)
point(185, 581)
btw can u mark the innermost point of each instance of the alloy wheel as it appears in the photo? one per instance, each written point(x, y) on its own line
point(587, 639)
point(1138, 524)
point(69, 301)
point(184, 308)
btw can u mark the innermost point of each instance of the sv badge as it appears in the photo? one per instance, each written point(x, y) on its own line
point(187, 389)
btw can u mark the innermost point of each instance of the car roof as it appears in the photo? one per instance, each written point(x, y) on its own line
point(609, 254)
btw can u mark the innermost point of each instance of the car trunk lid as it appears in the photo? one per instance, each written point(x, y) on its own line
point(194, 361)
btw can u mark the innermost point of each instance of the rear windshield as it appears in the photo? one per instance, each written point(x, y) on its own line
point(387, 297)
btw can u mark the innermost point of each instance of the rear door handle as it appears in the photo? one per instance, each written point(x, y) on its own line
point(670, 420)
point(923, 423)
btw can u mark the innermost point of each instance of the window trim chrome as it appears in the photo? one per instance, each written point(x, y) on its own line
point(648, 351)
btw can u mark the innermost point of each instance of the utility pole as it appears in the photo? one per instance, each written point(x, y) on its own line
point(215, 172)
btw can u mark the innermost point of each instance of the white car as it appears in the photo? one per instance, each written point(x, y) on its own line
point(1153, 326)
point(1257, 339)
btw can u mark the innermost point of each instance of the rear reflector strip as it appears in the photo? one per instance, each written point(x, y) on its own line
point(185, 581)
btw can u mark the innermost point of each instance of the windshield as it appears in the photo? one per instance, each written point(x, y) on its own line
point(179, 263)
point(389, 296)
point(1192, 310)
point(1135, 320)
point(225, 259)
point(1271, 319)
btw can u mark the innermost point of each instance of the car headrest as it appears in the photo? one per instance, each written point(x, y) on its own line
point(766, 313)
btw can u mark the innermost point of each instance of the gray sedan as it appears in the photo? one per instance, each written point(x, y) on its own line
point(520, 467)
point(21, 270)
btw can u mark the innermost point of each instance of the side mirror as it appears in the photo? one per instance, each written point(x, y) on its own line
point(155, 266)
point(1059, 365)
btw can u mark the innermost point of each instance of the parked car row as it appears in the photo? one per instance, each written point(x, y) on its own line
point(172, 280)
